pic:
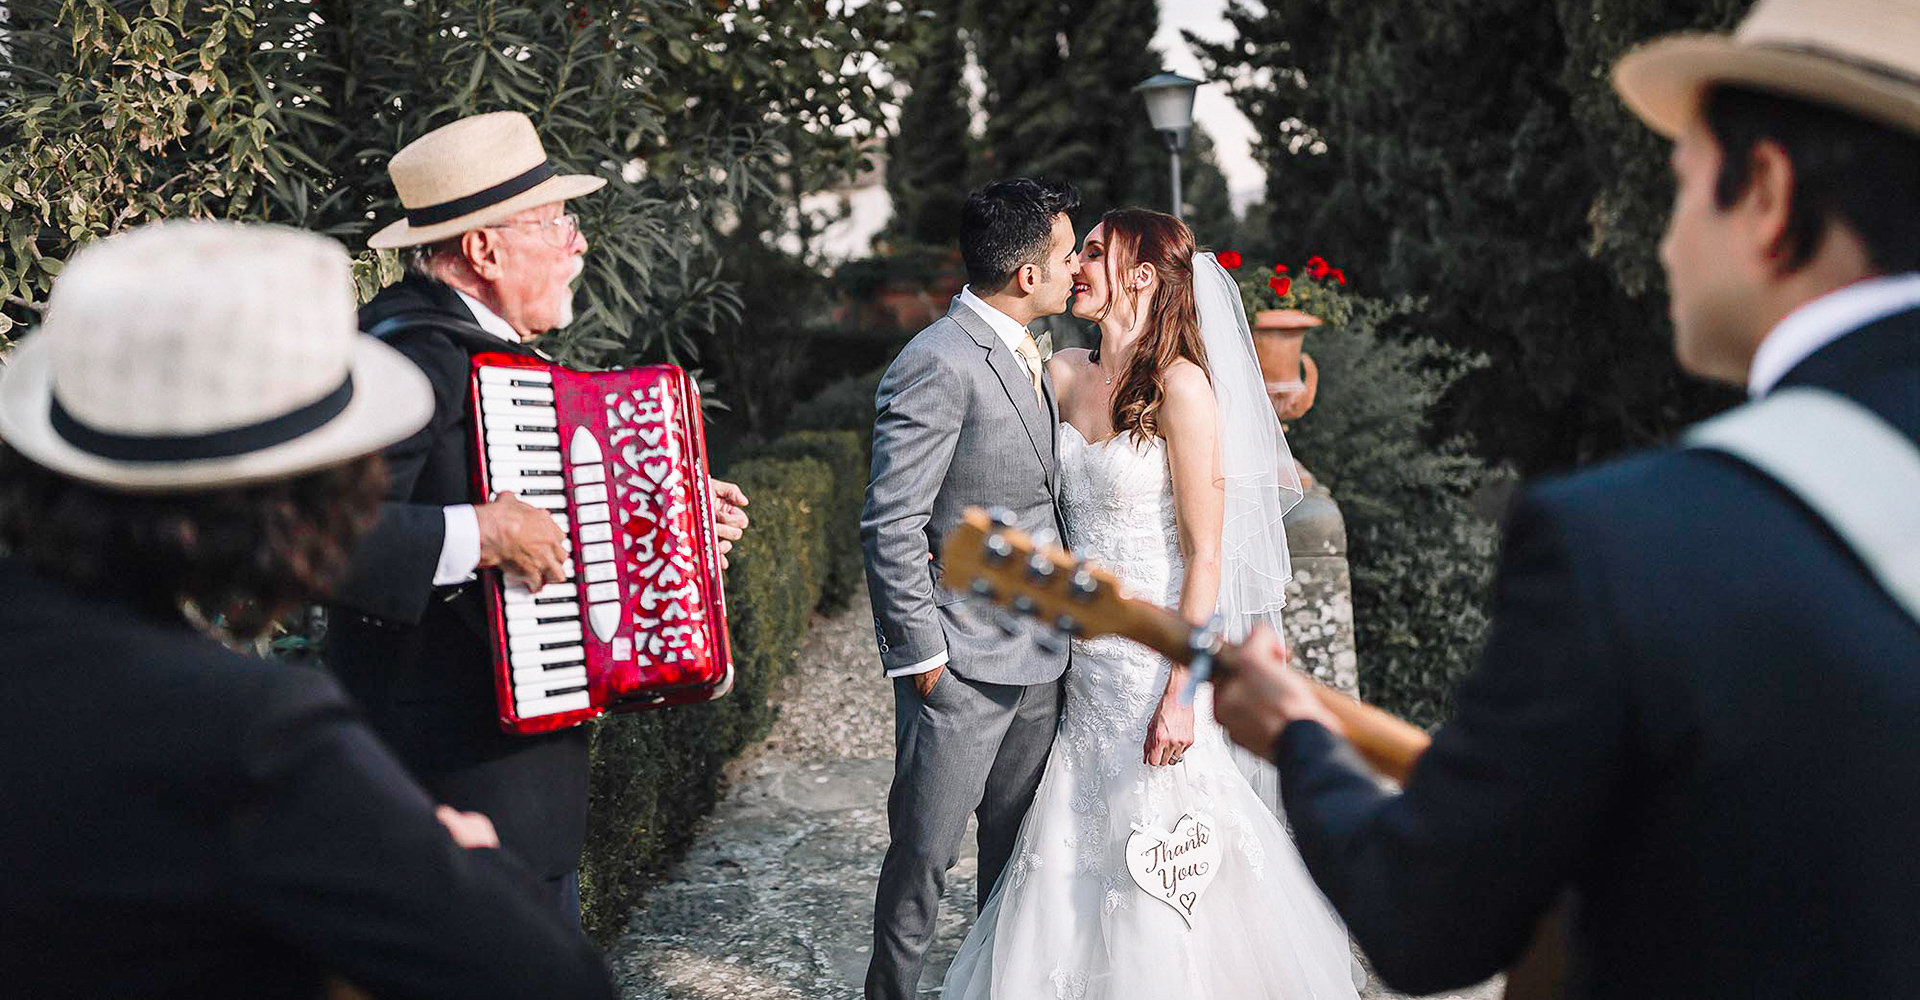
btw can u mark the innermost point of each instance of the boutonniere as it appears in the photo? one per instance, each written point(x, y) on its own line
point(1044, 342)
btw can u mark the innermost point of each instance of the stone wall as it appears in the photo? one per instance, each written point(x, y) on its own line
point(1319, 612)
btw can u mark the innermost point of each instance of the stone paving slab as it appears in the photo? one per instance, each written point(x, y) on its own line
point(775, 899)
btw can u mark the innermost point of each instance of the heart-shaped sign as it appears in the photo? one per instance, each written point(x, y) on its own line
point(1175, 866)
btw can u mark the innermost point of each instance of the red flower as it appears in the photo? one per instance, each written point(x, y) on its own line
point(1339, 275)
point(1280, 285)
point(1279, 268)
point(1228, 259)
point(1317, 266)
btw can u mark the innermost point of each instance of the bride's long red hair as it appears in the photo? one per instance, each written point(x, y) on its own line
point(1172, 326)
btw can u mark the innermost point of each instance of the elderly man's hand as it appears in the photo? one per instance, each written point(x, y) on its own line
point(729, 516)
point(1260, 692)
point(522, 540)
point(468, 829)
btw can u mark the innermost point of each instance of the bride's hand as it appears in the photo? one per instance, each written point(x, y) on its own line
point(1170, 732)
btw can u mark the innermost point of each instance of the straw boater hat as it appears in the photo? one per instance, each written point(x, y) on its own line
point(187, 356)
point(472, 173)
point(1858, 56)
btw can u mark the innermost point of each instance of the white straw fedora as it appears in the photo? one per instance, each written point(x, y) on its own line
point(471, 173)
point(1859, 56)
point(186, 356)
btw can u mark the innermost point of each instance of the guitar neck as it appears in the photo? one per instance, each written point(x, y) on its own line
point(1388, 744)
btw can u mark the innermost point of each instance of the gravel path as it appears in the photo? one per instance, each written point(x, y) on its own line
point(775, 900)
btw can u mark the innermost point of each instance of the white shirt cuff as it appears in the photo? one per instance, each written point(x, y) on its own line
point(936, 660)
point(460, 549)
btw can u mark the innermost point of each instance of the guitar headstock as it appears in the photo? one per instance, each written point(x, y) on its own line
point(991, 560)
point(994, 561)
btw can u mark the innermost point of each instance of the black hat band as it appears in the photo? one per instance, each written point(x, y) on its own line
point(433, 215)
point(191, 447)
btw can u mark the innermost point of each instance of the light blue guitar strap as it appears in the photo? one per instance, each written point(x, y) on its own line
point(1860, 474)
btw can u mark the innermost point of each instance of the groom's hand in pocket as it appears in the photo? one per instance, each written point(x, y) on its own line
point(924, 682)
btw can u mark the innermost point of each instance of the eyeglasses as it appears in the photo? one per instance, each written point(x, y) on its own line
point(558, 232)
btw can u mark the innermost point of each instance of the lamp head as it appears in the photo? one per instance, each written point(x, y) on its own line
point(1169, 98)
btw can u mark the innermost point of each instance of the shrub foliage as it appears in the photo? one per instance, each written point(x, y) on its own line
point(114, 113)
point(1421, 560)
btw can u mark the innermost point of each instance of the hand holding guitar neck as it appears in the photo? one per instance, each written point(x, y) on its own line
point(996, 562)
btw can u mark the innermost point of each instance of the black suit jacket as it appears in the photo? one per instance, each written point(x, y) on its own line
point(183, 821)
point(1696, 709)
point(417, 656)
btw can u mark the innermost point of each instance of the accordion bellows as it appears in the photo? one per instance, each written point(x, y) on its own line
point(618, 458)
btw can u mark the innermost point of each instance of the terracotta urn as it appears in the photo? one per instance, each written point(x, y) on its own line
point(1290, 375)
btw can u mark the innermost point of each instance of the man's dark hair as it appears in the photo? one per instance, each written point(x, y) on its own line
point(1009, 223)
point(1844, 168)
point(242, 556)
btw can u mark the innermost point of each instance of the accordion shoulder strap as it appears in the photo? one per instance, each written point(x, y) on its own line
point(466, 334)
point(1859, 473)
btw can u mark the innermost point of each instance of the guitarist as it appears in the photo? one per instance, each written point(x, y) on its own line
point(187, 451)
point(1698, 714)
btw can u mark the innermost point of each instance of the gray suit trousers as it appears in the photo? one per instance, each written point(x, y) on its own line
point(968, 746)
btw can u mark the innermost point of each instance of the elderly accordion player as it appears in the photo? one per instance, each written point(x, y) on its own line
point(618, 458)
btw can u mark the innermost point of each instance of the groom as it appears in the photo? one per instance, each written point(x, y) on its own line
point(966, 418)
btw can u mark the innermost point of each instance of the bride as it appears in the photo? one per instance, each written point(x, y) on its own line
point(1174, 477)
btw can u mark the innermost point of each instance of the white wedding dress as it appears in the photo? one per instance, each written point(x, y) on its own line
point(1067, 919)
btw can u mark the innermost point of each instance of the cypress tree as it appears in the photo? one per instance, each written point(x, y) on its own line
point(1122, 161)
point(1032, 121)
point(927, 157)
point(1060, 101)
point(1475, 157)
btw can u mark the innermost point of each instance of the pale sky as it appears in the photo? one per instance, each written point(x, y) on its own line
point(1212, 108)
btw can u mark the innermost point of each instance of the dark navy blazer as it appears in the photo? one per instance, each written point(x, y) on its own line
point(1696, 709)
point(184, 821)
point(417, 657)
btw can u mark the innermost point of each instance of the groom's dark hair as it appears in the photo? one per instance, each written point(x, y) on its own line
point(1009, 223)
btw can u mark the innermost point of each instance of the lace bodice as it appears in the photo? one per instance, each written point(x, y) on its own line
point(1118, 498)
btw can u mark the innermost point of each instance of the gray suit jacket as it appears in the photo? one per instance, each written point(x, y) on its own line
point(958, 427)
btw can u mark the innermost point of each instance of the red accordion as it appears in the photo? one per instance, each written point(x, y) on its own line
point(620, 461)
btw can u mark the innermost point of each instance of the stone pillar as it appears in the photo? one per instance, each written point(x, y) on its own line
point(1319, 613)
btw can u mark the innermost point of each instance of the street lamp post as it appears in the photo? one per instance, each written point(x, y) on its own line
point(1169, 98)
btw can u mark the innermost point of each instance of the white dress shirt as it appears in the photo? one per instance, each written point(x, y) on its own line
point(460, 547)
point(1011, 333)
point(1825, 320)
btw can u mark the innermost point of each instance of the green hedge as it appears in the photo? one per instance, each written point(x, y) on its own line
point(656, 773)
point(845, 404)
point(845, 455)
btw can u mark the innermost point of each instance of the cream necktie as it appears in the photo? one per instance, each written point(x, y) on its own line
point(1030, 359)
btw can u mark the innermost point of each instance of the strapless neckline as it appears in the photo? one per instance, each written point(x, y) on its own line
point(1083, 438)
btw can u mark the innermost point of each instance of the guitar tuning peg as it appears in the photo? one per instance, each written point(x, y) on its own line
point(1046, 536)
point(1066, 625)
point(981, 589)
point(1001, 516)
point(1083, 585)
point(999, 617)
point(999, 550)
point(1049, 642)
